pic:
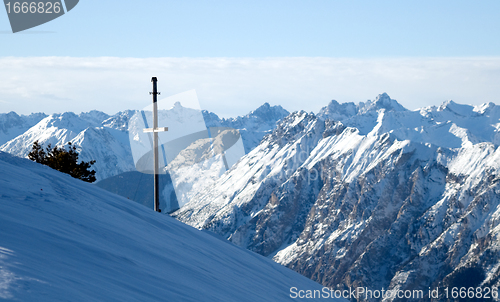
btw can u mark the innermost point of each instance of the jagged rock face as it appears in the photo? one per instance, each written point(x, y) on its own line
point(411, 201)
point(355, 232)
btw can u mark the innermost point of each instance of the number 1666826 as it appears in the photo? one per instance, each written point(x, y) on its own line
point(33, 7)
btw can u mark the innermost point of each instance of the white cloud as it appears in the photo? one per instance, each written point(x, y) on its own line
point(233, 86)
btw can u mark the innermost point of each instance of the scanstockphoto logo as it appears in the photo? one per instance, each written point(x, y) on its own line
point(28, 14)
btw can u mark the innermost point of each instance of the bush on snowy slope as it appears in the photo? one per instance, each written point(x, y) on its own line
point(63, 160)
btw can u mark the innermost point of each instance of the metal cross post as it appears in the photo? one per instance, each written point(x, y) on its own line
point(155, 131)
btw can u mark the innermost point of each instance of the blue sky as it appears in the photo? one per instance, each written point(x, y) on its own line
point(264, 29)
point(368, 46)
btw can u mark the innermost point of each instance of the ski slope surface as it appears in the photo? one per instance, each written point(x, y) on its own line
point(65, 240)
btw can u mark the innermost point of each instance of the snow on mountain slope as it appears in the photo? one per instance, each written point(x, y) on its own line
point(65, 240)
point(12, 125)
point(384, 198)
point(109, 146)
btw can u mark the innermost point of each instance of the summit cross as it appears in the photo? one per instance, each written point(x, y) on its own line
point(155, 131)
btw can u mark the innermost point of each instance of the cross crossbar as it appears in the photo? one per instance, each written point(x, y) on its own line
point(159, 129)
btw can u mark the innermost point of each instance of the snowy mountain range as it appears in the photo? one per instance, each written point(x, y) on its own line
point(62, 239)
point(359, 195)
point(369, 195)
point(104, 138)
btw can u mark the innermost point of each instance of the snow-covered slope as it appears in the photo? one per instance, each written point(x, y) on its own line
point(139, 187)
point(369, 195)
point(65, 240)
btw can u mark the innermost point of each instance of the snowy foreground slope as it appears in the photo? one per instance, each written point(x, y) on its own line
point(65, 240)
point(369, 195)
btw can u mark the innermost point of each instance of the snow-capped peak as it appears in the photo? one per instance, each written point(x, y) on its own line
point(269, 112)
point(94, 116)
point(344, 111)
point(382, 101)
point(67, 120)
point(252, 126)
point(336, 111)
point(484, 108)
point(458, 109)
point(177, 105)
